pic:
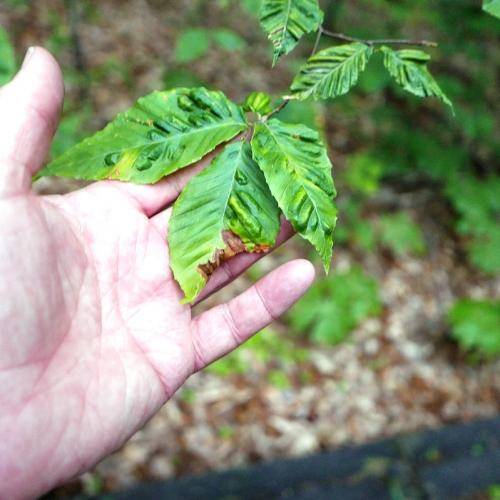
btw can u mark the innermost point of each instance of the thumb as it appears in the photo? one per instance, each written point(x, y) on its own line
point(30, 106)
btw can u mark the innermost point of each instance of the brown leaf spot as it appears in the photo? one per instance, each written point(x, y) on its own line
point(234, 246)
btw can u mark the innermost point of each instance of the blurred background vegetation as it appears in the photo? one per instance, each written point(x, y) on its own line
point(412, 304)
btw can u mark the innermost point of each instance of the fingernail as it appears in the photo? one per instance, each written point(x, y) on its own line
point(28, 56)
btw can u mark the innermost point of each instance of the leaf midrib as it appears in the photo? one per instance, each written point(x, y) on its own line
point(285, 25)
point(183, 134)
point(322, 80)
point(295, 172)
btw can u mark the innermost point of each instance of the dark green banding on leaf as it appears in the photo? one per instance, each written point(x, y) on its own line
point(331, 72)
point(286, 21)
point(161, 133)
point(297, 169)
point(409, 69)
point(224, 210)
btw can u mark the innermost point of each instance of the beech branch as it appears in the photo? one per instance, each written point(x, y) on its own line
point(387, 41)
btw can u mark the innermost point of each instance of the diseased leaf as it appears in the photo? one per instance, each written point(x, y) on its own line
point(258, 102)
point(331, 72)
point(7, 58)
point(492, 7)
point(286, 21)
point(409, 68)
point(224, 210)
point(297, 169)
point(160, 134)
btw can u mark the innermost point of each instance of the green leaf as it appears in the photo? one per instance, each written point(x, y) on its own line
point(191, 45)
point(483, 249)
point(363, 173)
point(286, 21)
point(409, 68)
point(334, 306)
point(331, 72)
point(478, 205)
point(492, 7)
point(298, 172)
point(476, 325)
point(401, 234)
point(258, 102)
point(251, 7)
point(7, 58)
point(161, 133)
point(224, 210)
point(228, 40)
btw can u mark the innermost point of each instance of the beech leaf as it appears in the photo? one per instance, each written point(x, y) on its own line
point(409, 69)
point(161, 133)
point(331, 72)
point(224, 210)
point(286, 21)
point(298, 171)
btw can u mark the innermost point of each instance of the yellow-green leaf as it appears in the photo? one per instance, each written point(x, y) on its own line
point(297, 169)
point(224, 210)
point(258, 102)
point(161, 133)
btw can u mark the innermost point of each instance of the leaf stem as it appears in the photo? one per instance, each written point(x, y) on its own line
point(387, 41)
point(277, 109)
point(316, 43)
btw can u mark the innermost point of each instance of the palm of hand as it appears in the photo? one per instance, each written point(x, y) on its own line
point(112, 340)
point(93, 338)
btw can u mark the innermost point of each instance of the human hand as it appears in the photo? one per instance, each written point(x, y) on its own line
point(93, 338)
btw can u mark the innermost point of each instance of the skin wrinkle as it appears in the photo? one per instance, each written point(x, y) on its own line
point(40, 319)
point(167, 390)
point(56, 440)
point(53, 249)
point(231, 323)
point(36, 389)
point(198, 360)
point(133, 200)
point(272, 316)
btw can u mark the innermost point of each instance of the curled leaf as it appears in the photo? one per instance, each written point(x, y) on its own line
point(297, 169)
point(224, 210)
point(409, 68)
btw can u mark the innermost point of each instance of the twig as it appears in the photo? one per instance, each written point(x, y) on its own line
point(80, 61)
point(277, 109)
point(316, 43)
point(387, 41)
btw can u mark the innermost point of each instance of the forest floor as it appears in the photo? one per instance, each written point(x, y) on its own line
point(395, 374)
